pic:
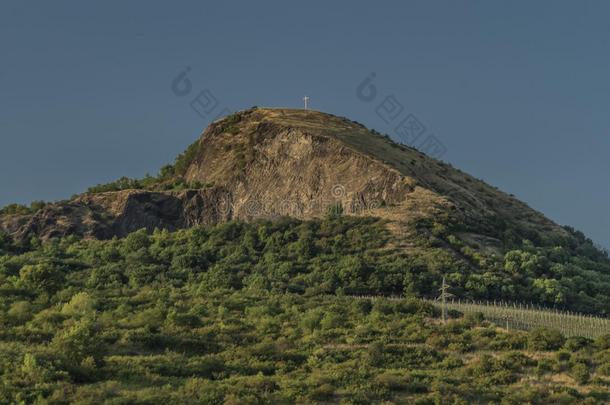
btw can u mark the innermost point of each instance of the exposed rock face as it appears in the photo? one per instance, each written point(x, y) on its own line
point(119, 213)
point(280, 170)
point(265, 163)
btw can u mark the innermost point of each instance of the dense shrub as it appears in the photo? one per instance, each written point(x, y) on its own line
point(545, 339)
point(19, 209)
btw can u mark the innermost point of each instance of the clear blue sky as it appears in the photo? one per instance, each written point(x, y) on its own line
point(518, 92)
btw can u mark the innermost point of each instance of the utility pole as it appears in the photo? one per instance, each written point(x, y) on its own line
point(443, 297)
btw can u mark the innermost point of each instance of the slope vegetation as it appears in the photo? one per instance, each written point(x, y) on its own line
point(260, 312)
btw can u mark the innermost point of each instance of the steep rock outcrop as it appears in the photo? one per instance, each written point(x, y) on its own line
point(265, 163)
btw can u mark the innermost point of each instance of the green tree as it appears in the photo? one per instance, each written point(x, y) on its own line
point(41, 277)
point(78, 341)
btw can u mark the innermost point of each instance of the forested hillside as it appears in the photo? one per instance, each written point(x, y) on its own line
point(261, 313)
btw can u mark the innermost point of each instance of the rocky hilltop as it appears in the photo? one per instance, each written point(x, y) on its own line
point(268, 163)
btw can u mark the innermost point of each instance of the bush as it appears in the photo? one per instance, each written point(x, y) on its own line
point(199, 390)
point(78, 341)
point(544, 366)
point(392, 381)
point(324, 392)
point(563, 356)
point(604, 369)
point(20, 312)
point(230, 124)
point(474, 318)
point(41, 277)
point(580, 372)
point(576, 343)
point(603, 342)
point(545, 339)
point(184, 160)
point(20, 209)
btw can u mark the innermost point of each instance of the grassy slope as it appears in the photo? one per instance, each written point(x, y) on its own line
point(251, 347)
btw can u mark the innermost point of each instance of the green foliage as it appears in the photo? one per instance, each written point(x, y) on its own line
point(575, 343)
point(245, 313)
point(41, 277)
point(184, 160)
point(545, 339)
point(564, 271)
point(171, 182)
point(230, 124)
point(580, 372)
point(19, 209)
point(77, 341)
point(6, 243)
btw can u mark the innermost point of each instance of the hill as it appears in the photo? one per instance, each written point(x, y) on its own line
point(264, 163)
point(234, 276)
point(271, 163)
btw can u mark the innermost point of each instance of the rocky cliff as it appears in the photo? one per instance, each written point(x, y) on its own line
point(266, 163)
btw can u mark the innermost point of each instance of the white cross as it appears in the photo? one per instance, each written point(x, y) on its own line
point(306, 99)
